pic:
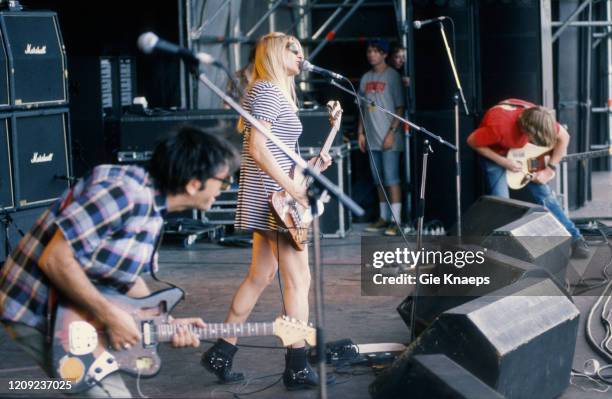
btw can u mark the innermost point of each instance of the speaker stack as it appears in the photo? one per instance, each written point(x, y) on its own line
point(514, 339)
point(35, 162)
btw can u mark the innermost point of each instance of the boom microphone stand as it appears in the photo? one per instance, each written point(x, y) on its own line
point(320, 182)
point(456, 97)
point(148, 43)
point(421, 204)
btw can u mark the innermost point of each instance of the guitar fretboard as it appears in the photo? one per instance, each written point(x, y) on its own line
point(217, 330)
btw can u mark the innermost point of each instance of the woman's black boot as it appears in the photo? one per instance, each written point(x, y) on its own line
point(298, 373)
point(218, 360)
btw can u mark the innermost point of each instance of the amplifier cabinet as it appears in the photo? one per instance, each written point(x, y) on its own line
point(40, 151)
point(336, 220)
point(6, 174)
point(36, 59)
point(315, 128)
point(140, 132)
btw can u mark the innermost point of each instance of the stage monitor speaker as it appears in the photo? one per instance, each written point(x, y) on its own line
point(489, 213)
point(506, 270)
point(6, 177)
point(40, 153)
point(437, 376)
point(519, 340)
point(537, 238)
point(37, 58)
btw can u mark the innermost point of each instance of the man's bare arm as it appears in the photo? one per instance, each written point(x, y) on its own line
point(59, 264)
point(560, 148)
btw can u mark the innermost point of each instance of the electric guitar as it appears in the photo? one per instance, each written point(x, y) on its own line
point(288, 212)
point(532, 158)
point(81, 352)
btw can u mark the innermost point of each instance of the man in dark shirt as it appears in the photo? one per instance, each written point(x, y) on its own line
point(103, 233)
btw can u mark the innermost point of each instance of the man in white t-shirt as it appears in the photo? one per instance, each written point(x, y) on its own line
point(383, 85)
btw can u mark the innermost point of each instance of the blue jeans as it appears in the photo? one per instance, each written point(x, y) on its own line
point(495, 176)
point(387, 165)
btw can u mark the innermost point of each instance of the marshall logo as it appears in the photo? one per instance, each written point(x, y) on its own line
point(39, 50)
point(41, 158)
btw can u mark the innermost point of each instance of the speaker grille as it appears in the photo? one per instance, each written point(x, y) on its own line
point(36, 57)
point(41, 157)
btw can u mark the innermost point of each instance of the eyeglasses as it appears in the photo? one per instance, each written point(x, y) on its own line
point(225, 183)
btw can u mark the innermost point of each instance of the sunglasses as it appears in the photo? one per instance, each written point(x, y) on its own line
point(291, 46)
point(225, 183)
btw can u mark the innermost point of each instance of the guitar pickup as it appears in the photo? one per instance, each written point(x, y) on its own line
point(148, 334)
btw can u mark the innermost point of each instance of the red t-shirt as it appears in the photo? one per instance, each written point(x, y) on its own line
point(498, 129)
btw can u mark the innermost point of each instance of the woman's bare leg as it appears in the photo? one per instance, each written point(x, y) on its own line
point(261, 272)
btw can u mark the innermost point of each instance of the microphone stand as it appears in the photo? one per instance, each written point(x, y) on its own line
point(456, 97)
point(319, 184)
point(421, 204)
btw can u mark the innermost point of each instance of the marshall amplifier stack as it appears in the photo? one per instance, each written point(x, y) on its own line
point(35, 162)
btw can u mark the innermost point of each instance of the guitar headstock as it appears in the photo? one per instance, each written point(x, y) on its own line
point(291, 331)
point(335, 112)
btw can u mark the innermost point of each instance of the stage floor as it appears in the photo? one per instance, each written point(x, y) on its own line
point(210, 275)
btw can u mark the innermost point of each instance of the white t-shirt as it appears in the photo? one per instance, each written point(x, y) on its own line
point(385, 89)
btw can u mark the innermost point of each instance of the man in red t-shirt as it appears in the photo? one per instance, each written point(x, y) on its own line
point(512, 124)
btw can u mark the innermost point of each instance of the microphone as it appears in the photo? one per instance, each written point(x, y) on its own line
point(419, 24)
point(149, 43)
point(308, 67)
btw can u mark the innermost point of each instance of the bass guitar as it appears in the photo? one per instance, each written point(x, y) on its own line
point(81, 352)
point(291, 215)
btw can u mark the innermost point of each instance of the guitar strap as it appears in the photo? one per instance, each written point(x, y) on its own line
point(513, 102)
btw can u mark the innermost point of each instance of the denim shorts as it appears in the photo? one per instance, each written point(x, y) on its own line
point(387, 165)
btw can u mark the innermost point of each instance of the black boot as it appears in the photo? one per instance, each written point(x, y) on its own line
point(218, 360)
point(298, 373)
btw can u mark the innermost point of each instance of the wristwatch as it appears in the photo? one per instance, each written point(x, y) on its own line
point(552, 166)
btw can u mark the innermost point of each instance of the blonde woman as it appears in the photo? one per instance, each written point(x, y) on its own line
point(264, 169)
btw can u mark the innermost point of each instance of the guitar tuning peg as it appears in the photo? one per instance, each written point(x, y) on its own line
point(293, 320)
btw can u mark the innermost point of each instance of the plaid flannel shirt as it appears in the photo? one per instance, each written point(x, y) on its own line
point(112, 223)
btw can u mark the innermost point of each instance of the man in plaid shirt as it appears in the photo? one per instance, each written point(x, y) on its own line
point(104, 232)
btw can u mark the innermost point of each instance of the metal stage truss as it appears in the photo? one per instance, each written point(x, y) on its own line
point(224, 27)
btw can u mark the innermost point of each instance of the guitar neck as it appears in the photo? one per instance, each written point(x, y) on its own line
point(217, 330)
point(325, 149)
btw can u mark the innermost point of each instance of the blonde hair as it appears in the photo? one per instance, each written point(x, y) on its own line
point(270, 66)
point(539, 124)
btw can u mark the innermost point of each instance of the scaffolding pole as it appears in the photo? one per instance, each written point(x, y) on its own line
point(568, 21)
point(332, 33)
point(329, 20)
point(263, 19)
point(305, 10)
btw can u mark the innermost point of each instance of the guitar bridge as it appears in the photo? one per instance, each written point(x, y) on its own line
point(104, 365)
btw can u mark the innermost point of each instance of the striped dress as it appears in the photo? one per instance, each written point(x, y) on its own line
point(265, 102)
